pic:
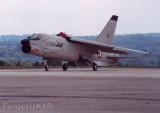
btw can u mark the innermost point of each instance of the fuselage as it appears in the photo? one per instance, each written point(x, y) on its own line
point(50, 46)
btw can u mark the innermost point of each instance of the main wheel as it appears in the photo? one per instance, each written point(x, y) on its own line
point(46, 68)
point(65, 66)
point(95, 67)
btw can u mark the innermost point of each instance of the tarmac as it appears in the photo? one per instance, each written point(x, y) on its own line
point(80, 90)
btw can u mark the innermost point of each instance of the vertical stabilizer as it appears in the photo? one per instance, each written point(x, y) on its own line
point(106, 36)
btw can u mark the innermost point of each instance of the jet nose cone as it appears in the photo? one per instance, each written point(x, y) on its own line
point(25, 42)
point(26, 48)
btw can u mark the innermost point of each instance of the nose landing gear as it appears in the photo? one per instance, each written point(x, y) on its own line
point(46, 65)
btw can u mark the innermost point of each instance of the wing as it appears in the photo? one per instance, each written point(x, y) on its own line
point(105, 47)
point(96, 46)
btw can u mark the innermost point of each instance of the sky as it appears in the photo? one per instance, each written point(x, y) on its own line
point(78, 17)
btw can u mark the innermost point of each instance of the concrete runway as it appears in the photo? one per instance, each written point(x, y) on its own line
point(109, 90)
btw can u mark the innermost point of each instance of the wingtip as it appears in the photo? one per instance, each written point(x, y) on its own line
point(114, 17)
point(147, 53)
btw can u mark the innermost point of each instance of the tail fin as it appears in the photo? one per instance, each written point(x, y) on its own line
point(106, 36)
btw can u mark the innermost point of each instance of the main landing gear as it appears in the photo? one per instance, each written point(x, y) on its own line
point(65, 66)
point(46, 67)
point(95, 67)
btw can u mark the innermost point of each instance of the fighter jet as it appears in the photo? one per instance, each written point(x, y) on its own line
point(97, 52)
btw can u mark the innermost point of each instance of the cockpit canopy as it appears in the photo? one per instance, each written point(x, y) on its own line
point(34, 37)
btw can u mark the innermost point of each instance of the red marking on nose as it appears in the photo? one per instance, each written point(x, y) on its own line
point(34, 49)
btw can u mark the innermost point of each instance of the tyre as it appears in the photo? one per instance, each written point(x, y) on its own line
point(95, 67)
point(46, 68)
point(65, 66)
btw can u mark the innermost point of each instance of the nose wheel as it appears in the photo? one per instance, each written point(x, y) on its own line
point(46, 68)
point(95, 67)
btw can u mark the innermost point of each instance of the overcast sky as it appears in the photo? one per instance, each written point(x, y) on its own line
point(78, 17)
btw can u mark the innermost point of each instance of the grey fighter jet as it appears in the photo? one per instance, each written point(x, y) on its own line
point(98, 52)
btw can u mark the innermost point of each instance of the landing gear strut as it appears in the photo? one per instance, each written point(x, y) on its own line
point(95, 67)
point(65, 66)
point(46, 65)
